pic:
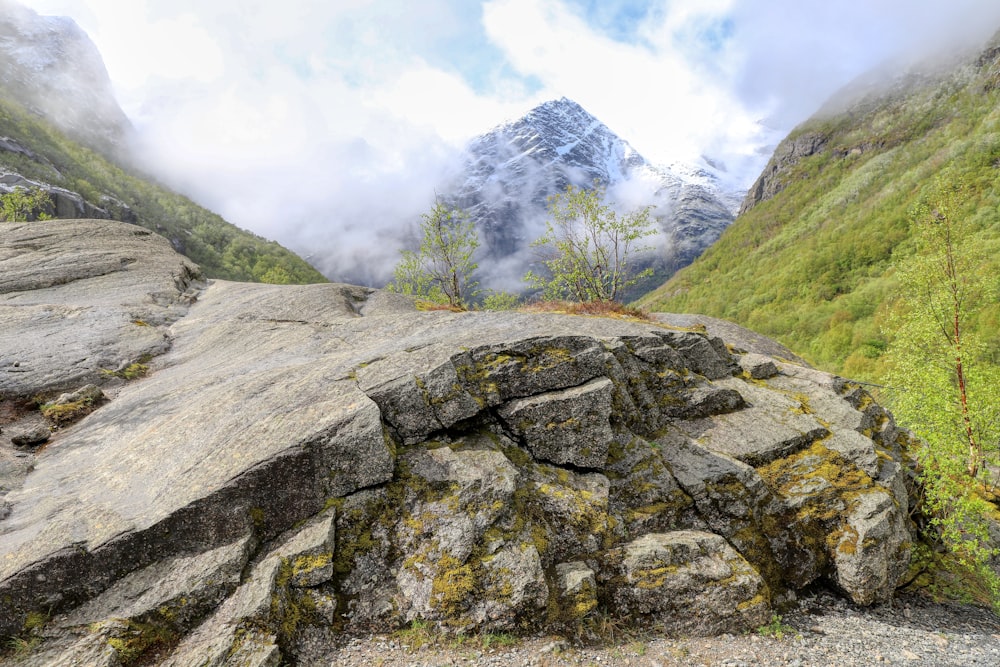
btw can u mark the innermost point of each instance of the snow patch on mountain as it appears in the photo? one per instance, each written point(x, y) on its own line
point(511, 172)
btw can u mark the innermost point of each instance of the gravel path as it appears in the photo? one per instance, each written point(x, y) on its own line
point(823, 631)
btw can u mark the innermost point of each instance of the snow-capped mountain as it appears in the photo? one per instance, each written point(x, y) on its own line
point(50, 66)
point(512, 170)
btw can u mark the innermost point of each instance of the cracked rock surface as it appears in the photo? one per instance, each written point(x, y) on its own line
point(327, 455)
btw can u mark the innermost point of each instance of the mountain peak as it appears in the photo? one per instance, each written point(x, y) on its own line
point(561, 105)
point(563, 119)
point(564, 135)
point(514, 169)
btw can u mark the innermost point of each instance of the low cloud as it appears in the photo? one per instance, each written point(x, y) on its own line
point(328, 126)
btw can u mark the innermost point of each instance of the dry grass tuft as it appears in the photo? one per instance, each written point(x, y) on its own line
point(595, 308)
point(430, 305)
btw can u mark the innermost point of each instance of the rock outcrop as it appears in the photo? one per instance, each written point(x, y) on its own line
point(328, 454)
point(64, 203)
point(788, 153)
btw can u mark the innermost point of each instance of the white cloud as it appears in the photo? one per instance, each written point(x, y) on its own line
point(138, 46)
point(650, 92)
point(439, 101)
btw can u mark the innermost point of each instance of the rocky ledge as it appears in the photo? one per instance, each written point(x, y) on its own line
point(328, 454)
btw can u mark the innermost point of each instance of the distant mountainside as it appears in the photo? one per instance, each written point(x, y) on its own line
point(511, 171)
point(809, 259)
point(61, 130)
point(50, 67)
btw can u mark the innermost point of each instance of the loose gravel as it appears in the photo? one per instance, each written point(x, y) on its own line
point(824, 630)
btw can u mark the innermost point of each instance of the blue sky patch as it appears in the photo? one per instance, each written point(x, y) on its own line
point(618, 20)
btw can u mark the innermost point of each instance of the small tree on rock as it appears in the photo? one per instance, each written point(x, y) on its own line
point(588, 246)
point(441, 270)
point(948, 386)
point(20, 204)
point(951, 385)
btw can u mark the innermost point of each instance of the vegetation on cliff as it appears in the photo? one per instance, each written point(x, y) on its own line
point(20, 204)
point(587, 247)
point(36, 150)
point(945, 384)
point(441, 269)
point(814, 264)
point(585, 257)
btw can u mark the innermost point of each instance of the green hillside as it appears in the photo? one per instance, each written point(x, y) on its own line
point(220, 248)
point(811, 262)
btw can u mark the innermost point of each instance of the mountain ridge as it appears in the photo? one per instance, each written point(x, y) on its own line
point(50, 66)
point(810, 259)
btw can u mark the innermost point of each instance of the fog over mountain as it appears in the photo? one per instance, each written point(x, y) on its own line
point(63, 135)
point(50, 66)
point(506, 176)
point(512, 171)
point(320, 124)
point(815, 256)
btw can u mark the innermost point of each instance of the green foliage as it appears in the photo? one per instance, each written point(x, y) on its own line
point(946, 387)
point(776, 628)
point(24, 644)
point(60, 414)
point(951, 388)
point(417, 635)
point(588, 248)
point(220, 248)
point(501, 301)
point(135, 371)
point(136, 641)
point(19, 647)
point(956, 516)
point(421, 634)
point(942, 575)
point(23, 204)
point(814, 266)
point(441, 270)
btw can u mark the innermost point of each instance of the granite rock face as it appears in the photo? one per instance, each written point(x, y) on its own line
point(328, 454)
point(80, 298)
point(788, 153)
point(692, 582)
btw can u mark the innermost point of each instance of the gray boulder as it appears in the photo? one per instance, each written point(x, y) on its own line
point(30, 437)
point(688, 582)
point(569, 426)
point(330, 455)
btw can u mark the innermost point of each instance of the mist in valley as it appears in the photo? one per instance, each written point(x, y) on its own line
point(330, 127)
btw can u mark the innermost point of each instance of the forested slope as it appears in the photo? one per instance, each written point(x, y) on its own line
point(810, 260)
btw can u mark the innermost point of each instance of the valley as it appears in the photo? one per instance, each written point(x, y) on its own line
point(782, 449)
